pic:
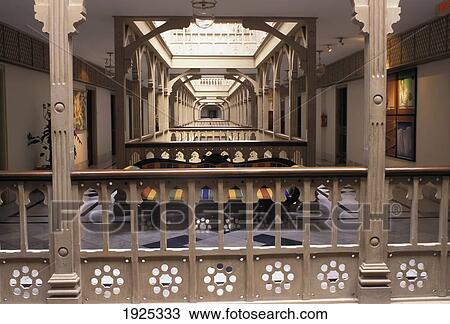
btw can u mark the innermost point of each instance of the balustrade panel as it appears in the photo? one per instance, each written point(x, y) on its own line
point(149, 215)
point(37, 218)
point(91, 216)
point(125, 258)
point(291, 213)
point(10, 229)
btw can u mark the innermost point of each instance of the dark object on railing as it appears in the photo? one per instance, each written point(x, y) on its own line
point(212, 161)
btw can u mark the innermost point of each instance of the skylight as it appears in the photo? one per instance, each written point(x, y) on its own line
point(221, 39)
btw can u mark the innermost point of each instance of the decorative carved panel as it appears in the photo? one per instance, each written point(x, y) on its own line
point(24, 281)
point(106, 281)
point(334, 276)
point(422, 40)
point(278, 278)
point(221, 279)
point(414, 274)
point(11, 44)
point(164, 280)
point(438, 33)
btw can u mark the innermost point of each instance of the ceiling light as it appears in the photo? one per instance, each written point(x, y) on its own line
point(321, 68)
point(109, 65)
point(329, 48)
point(341, 40)
point(204, 12)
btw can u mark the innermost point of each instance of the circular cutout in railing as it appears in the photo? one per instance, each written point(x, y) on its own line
point(278, 277)
point(412, 275)
point(165, 280)
point(25, 282)
point(332, 276)
point(220, 279)
point(107, 281)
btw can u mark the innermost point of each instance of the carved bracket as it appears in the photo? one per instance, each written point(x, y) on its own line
point(362, 8)
point(256, 24)
point(74, 15)
point(170, 24)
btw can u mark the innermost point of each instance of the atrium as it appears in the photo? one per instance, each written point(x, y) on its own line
point(224, 150)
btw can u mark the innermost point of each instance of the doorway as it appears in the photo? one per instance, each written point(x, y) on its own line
point(3, 130)
point(341, 126)
point(299, 116)
point(113, 124)
point(92, 126)
point(271, 120)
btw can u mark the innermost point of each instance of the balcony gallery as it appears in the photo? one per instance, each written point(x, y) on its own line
point(220, 157)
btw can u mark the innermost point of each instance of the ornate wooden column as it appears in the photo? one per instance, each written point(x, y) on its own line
point(376, 18)
point(293, 111)
point(266, 107)
point(151, 107)
point(60, 19)
point(311, 90)
point(166, 109)
point(276, 108)
point(120, 89)
point(260, 107)
point(136, 95)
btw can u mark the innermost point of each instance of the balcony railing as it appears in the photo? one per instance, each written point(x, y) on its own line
point(240, 144)
point(225, 234)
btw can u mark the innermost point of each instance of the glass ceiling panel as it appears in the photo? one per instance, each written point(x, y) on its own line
point(221, 39)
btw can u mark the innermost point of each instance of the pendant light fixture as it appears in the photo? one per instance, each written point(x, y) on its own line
point(204, 12)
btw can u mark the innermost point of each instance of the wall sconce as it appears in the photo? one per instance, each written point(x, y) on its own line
point(324, 120)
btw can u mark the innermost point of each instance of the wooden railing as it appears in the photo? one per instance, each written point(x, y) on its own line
point(202, 222)
point(220, 134)
point(240, 144)
point(238, 150)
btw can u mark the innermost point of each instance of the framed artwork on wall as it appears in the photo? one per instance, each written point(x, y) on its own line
point(406, 87)
point(401, 115)
point(406, 137)
point(79, 110)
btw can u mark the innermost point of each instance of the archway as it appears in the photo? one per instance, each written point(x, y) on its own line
point(211, 111)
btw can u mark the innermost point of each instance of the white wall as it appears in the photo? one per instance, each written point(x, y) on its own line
point(433, 117)
point(26, 92)
point(356, 124)
point(104, 142)
point(327, 134)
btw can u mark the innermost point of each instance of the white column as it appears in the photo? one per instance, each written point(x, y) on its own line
point(60, 18)
point(376, 18)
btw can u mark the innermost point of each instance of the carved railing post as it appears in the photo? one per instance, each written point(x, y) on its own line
point(376, 18)
point(60, 19)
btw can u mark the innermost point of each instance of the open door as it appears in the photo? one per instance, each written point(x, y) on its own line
point(3, 129)
point(113, 124)
point(341, 126)
point(92, 127)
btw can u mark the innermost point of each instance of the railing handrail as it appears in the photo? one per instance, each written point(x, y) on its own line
point(213, 128)
point(224, 172)
point(236, 143)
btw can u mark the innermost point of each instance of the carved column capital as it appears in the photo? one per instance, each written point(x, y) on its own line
point(365, 10)
point(74, 15)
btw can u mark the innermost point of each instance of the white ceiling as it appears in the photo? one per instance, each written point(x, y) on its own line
point(96, 35)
